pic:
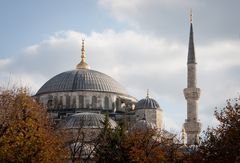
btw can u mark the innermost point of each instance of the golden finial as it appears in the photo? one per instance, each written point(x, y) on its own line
point(83, 64)
point(147, 93)
point(83, 50)
point(191, 15)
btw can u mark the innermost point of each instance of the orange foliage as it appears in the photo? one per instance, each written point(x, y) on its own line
point(25, 131)
point(144, 146)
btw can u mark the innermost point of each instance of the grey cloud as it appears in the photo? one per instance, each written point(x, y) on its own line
point(213, 20)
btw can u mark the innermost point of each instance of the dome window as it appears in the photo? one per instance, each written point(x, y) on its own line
point(106, 103)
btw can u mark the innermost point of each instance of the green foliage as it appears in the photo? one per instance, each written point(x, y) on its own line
point(108, 145)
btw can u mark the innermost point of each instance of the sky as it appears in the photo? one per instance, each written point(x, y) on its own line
point(140, 43)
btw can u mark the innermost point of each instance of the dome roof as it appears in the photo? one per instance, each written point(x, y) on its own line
point(82, 80)
point(147, 103)
point(86, 120)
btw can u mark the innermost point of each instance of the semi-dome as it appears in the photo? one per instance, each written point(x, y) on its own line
point(86, 120)
point(82, 80)
point(147, 103)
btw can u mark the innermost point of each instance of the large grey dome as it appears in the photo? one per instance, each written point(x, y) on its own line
point(86, 120)
point(147, 103)
point(82, 80)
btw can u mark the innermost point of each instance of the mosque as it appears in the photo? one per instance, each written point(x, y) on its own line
point(86, 94)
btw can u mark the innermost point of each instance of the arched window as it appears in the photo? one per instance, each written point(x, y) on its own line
point(68, 101)
point(118, 104)
point(106, 103)
point(60, 102)
point(113, 106)
point(74, 102)
point(50, 102)
point(94, 102)
point(81, 101)
point(55, 102)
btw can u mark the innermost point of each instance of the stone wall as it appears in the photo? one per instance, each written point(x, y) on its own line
point(154, 116)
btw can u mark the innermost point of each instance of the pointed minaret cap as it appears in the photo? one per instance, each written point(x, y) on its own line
point(191, 50)
point(83, 64)
point(190, 15)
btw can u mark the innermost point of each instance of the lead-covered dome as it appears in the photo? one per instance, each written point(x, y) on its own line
point(82, 80)
point(147, 103)
point(86, 120)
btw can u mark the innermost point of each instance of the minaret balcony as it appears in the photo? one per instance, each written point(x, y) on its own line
point(192, 93)
point(192, 127)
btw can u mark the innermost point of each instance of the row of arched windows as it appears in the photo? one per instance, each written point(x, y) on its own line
point(54, 102)
point(106, 102)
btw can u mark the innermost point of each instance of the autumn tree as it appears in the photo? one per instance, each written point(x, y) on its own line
point(144, 145)
point(137, 145)
point(222, 144)
point(174, 150)
point(79, 142)
point(26, 134)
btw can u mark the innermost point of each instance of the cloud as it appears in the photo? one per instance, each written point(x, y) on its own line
point(139, 62)
point(4, 63)
point(213, 20)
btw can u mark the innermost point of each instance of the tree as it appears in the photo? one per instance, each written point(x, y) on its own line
point(136, 145)
point(174, 151)
point(108, 143)
point(79, 142)
point(222, 144)
point(26, 134)
point(144, 145)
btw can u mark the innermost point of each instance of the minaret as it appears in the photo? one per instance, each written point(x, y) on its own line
point(183, 136)
point(192, 125)
point(83, 64)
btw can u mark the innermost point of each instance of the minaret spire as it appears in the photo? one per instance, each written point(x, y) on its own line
point(83, 64)
point(191, 16)
point(191, 50)
point(192, 125)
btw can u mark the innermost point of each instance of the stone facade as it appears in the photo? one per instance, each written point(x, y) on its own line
point(62, 104)
point(154, 116)
point(192, 125)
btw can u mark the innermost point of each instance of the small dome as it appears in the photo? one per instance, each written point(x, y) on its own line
point(147, 103)
point(86, 120)
point(143, 124)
